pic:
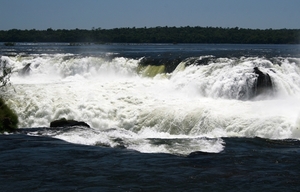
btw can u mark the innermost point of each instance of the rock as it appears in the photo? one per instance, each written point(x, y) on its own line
point(67, 123)
point(263, 83)
point(26, 70)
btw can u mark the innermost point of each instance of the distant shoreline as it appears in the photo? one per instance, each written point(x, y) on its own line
point(173, 35)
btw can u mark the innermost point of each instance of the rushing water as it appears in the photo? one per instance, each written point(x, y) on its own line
point(191, 110)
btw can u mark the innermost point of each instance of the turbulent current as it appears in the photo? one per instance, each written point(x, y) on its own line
point(136, 104)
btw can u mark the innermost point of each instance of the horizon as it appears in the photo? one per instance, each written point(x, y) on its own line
point(100, 28)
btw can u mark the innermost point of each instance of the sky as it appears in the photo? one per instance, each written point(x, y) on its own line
point(108, 14)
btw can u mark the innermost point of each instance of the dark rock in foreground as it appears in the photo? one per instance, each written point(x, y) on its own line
point(67, 123)
point(8, 118)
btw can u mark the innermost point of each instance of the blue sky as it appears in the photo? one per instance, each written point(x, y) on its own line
point(107, 14)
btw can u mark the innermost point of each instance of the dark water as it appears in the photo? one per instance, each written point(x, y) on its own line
point(31, 163)
point(165, 51)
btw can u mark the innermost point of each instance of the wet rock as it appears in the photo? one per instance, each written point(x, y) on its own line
point(26, 70)
point(67, 123)
point(263, 83)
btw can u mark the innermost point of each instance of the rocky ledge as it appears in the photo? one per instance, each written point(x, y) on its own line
point(67, 123)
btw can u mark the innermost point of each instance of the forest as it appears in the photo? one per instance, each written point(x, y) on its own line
point(156, 35)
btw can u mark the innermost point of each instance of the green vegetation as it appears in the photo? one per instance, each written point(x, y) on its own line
point(8, 119)
point(156, 35)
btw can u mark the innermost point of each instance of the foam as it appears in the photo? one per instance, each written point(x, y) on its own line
point(194, 106)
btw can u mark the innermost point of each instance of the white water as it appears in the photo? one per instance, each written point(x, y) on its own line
point(170, 113)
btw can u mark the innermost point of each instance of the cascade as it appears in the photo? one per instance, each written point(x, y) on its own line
point(209, 98)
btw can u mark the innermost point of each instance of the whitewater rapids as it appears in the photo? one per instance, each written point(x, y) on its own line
point(187, 110)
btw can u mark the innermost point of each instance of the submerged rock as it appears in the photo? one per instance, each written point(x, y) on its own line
point(199, 153)
point(263, 83)
point(67, 123)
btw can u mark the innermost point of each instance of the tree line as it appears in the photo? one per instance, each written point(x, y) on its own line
point(156, 35)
